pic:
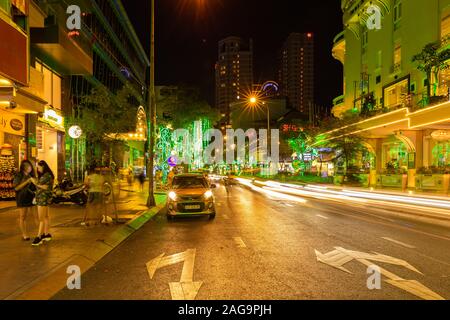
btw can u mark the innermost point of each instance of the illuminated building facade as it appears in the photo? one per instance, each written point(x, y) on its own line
point(234, 74)
point(296, 72)
point(406, 130)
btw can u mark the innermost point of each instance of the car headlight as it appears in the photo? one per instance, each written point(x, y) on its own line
point(208, 194)
point(173, 196)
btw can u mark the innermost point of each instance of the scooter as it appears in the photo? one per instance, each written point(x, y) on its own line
point(66, 192)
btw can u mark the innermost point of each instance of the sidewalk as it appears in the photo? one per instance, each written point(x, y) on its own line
point(7, 205)
point(24, 266)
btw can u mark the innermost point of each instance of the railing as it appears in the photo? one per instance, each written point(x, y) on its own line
point(338, 100)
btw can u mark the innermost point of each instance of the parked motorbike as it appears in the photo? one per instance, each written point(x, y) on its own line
point(67, 192)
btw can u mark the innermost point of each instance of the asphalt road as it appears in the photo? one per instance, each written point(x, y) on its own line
point(264, 247)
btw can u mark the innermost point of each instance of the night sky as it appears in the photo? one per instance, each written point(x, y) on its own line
point(187, 33)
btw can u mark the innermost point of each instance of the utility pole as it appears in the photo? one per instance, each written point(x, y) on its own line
point(152, 112)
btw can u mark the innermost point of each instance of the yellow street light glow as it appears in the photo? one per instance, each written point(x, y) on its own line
point(253, 100)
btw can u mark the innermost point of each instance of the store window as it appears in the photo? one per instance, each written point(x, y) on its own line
point(441, 154)
point(396, 94)
point(395, 157)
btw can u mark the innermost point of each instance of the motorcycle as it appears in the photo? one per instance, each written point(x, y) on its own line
point(67, 192)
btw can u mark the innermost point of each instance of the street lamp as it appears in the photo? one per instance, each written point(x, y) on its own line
point(254, 101)
point(152, 111)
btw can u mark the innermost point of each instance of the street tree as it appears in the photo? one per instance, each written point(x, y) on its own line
point(183, 106)
point(347, 144)
point(103, 116)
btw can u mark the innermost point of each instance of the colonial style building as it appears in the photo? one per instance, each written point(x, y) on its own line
point(406, 129)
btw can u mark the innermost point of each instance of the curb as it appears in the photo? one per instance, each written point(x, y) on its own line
point(45, 287)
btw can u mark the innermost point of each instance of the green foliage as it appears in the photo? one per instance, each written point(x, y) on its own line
point(433, 59)
point(184, 107)
point(102, 115)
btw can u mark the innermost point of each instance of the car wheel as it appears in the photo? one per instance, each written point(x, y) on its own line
point(212, 216)
point(169, 217)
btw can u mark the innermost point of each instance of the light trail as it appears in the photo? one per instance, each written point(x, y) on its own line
point(349, 196)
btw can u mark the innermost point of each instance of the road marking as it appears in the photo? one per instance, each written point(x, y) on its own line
point(239, 242)
point(186, 288)
point(323, 217)
point(399, 243)
point(339, 257)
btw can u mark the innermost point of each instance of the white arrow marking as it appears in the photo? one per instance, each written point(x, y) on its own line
point(186, 289)
point(335, 259)
point(339, 257)
point(323, 217)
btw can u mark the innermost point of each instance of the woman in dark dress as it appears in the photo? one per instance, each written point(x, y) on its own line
point(24, 195)
point(44, 195)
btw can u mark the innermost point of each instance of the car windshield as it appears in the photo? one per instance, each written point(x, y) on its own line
point(189, 183)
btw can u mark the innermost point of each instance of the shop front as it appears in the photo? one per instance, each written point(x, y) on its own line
point(50, 141)
point(12, 150)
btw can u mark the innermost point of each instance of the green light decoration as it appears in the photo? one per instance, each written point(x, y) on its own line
point(167, 147)
point(164, 145)
point(441, 154)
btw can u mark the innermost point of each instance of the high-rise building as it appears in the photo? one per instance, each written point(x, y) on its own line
point(296, 72)
point(234, 74)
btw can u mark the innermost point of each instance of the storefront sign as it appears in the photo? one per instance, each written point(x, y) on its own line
point(13, 48)
point(16, 124)
point(75, 132)
point(53, 119)
point(12, 123)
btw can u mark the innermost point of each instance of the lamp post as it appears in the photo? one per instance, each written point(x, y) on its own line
point(152, 111)
point(254, 101)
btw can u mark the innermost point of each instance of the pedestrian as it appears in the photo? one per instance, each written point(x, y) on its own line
point(44, 195)
point(95, 184)
point(170, 177)
point(25, 190)
point(141, 178)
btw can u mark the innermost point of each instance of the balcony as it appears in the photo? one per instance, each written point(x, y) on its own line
point(72, 54)
point(339, 106)
point(339, 47)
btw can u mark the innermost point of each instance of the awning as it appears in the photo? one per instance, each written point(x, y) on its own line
point(28, 103)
